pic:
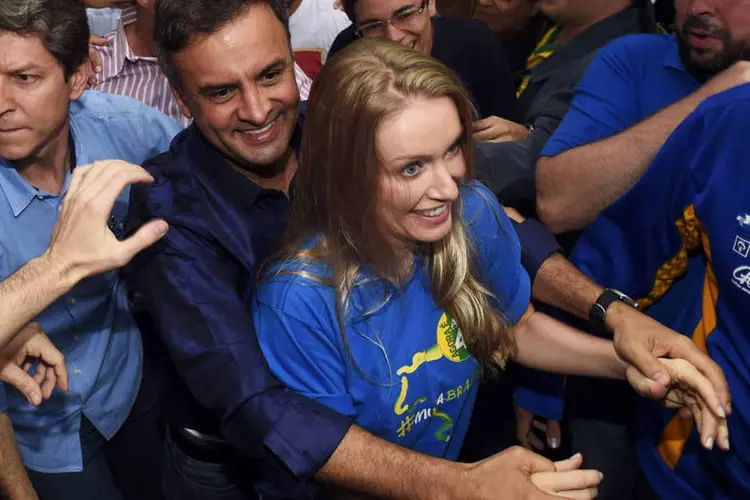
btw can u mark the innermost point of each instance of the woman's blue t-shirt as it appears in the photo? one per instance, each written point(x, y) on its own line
point(403, 372)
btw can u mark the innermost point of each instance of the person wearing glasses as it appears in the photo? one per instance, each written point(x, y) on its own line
point(467, 46)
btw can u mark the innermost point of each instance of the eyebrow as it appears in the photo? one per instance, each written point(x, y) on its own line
point(400, 159)
point(278, 64)
point(24, 68)
point(394, 13)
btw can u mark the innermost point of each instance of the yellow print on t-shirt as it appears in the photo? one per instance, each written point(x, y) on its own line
point(450, 344)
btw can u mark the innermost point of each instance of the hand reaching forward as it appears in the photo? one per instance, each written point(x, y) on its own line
point(16, 359)
point(692, 391)
point(519, 474)
point(82, 244)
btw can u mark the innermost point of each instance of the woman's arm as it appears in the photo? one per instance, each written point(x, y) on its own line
point(546, 344)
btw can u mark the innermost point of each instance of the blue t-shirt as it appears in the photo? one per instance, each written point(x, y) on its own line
point(402, 369)
point(629, 80)
point(705, 209)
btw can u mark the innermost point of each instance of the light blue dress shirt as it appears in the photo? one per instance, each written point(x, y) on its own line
point(91, 324)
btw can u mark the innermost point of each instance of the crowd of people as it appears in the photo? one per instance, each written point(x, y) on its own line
point(490, 249)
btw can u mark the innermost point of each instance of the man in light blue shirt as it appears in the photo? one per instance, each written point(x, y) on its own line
point(47, 127)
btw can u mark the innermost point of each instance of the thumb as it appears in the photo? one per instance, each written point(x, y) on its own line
point(572, 463)
point(537, 463)
point(644, 385)
point(147, 235)
point(645, 362)
point(22, 381)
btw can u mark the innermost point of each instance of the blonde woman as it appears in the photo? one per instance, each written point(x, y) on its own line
point(401, 282)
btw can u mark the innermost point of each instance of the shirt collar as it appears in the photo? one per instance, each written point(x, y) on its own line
point(212, 168)
point(672, 59)
point(121, 52)
point(595, 37)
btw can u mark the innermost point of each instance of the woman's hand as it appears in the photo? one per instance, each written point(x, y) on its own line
point(692, 392)
point(496, 129)
point(568, 481)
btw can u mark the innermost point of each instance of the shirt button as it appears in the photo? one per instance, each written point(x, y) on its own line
point(72, 302)
point(39, 197)
point(76, 337)
point(76, 371)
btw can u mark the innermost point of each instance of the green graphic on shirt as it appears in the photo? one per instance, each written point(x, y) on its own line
point(447, 425)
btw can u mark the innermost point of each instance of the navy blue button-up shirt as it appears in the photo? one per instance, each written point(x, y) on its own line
point(196, 285)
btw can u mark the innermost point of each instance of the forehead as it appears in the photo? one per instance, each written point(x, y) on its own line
point(380, 9)
point(20, 52)
point(424, 127)
point(243, 47)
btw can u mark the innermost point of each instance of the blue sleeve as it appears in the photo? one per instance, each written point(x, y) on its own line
point(299, 335)
point(660, 220)
point(187, 285)
point(603, 103)
point(3, 399)
point(499, 251)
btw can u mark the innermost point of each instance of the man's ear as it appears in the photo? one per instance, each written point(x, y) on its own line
point(79, 80)
point(180, 101)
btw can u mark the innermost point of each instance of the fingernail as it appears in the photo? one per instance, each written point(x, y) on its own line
point(728, 408)
point(35, 399)
point(554, 443)
point(576, 456)
point(709, 443)
point(720, 412)
point(98, 69)
point(726, 444)
point(661, 379)
point(601, 476)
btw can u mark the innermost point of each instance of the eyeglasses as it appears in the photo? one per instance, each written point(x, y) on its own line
point(400, 20)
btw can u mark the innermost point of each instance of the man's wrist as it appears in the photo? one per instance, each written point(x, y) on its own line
point(59, 275)
point(617, 314)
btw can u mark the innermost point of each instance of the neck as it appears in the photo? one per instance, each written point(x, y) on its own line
point(46, 168)
point(286, 167)
point(569, 31)
point(140, 34)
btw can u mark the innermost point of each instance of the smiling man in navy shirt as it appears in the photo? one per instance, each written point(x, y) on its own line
point(224, 188)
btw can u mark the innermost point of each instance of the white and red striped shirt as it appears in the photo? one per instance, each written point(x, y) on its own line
point(141, 78)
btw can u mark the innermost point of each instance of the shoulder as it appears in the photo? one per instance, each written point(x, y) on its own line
point(639, 47)
point(735, 100)
point(124, 113)
point(297, 287)
point(485, 219)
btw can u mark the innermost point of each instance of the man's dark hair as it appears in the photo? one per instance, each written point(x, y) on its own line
point(61, 25)
point(178, 22)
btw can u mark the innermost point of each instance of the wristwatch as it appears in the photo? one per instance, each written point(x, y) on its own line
point(598, 311)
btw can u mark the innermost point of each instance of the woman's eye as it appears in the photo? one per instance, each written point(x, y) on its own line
point(455, 148)
point(411, 170)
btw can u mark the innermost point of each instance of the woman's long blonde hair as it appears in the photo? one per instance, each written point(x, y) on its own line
point(336, 192)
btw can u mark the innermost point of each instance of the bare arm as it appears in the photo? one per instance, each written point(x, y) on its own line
point(573, 187)
point(368, 465)
point(14, 482)
point(546, 344)
point(82, 245)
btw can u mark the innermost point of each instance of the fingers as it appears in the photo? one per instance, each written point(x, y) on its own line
point(554, 434)
point(649, 366)
point(644, 385)
point(580, 494)
point(723, 436)
point(536, 463)
point(49, 382)
point(146, 236)
point(15, 376)
point(685, 373)
point(482, 124)
point(709, 369)
point(577, 480)
point(535, 442)
point(709, 428)
point(98, 40)
point(523, 427)
point(572, 463)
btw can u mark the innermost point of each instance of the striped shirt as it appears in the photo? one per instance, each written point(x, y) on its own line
point(141, 78)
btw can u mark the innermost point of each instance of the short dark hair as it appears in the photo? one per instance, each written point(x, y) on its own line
point(178, 22)
point(61, 25)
